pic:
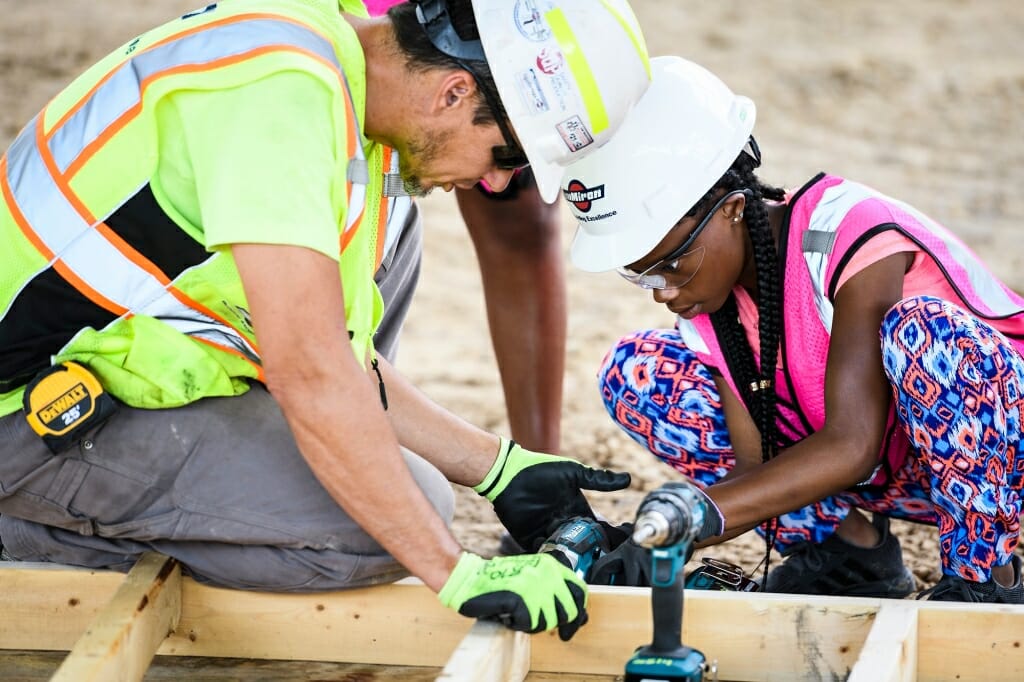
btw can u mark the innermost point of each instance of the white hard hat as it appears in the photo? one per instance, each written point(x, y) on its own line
point(568, 72)
point(679, 140)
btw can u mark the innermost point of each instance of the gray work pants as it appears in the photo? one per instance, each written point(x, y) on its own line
point(218, 484)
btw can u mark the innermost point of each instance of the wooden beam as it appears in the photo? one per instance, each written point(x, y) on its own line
point(489, 652)
point(48, 607)
point(397, 624)
point(970, 641)
point(890, 652)
point(752, 636)
point(124, 637)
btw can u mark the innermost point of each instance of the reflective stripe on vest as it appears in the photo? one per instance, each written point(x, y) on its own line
point(36, 172)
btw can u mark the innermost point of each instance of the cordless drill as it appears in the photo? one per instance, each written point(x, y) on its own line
point(667, 523)
point(577, 543)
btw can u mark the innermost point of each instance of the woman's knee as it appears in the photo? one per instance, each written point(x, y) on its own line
point(911, 320)
point(647, 363)
point(659, 392)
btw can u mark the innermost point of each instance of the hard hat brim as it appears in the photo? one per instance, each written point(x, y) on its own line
point(549, 113)
point(549, 180)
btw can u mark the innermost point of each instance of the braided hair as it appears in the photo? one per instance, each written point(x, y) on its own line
point(756, 384)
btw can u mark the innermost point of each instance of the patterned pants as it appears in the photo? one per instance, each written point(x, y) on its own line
point(957, 386)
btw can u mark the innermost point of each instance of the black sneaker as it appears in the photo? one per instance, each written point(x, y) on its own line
point(955, 588)
point(838, 568)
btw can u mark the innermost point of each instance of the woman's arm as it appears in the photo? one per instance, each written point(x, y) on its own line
point(845, 450)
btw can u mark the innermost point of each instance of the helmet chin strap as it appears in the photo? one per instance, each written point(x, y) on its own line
point(435, 19)
point(753, 151)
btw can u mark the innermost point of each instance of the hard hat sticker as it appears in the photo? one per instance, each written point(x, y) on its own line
point(529, 17)
point(531, 92)
point(574, 133)
point(550, 60)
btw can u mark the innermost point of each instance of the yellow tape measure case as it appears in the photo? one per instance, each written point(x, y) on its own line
point(63, 402)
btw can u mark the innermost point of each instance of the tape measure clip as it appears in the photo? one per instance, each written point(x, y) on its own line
point(63, 402)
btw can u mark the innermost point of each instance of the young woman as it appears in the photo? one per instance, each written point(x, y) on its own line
point(836, 350)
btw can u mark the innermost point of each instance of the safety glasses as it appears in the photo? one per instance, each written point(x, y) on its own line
point(509, 156)
point(678, 268)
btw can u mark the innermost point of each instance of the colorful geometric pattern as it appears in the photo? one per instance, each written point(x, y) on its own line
point(957, 385)
point(965, 476)
point(665, 399)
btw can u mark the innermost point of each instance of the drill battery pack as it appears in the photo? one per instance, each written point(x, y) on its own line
point(715, 574)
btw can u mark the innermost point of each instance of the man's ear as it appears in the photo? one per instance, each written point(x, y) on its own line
point(456, 89)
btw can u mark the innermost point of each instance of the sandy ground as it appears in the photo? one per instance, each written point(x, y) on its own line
point(920, 99)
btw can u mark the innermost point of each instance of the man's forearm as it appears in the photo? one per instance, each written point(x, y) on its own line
point(333, 409)
point(336, 441)
point(460, 450)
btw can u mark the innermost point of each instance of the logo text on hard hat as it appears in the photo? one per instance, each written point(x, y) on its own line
point(581, 196)
point(550, 60)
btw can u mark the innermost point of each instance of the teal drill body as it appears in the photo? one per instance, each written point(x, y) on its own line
point(577, 543)
point(667, 523)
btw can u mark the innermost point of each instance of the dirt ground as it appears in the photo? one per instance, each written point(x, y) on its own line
point(921, 99)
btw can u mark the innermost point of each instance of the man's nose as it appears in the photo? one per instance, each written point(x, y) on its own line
point(498, 179)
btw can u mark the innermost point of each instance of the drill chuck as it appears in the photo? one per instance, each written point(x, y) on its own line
point(671, 515)
point(652, 529)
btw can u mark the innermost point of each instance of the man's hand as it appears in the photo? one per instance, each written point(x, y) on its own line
point(528, 592)
point(533, 493)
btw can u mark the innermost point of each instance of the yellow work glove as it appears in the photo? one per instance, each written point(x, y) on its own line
point(527, 592)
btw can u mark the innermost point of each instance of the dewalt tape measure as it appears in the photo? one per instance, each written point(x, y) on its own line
point(64, 401)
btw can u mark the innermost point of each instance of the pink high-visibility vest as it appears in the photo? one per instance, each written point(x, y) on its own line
point(830, 218)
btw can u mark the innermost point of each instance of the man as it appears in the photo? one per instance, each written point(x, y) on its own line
point(516, 237)
point(183, 370)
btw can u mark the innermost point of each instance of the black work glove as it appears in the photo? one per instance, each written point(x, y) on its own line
point(534, 493)
point(627, 564)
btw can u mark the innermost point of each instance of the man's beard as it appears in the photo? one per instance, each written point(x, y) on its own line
point(424, 150)
point(413, 187)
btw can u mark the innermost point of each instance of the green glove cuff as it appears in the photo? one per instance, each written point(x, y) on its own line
point(466, 570)
point(512, 458)
point(484, 486)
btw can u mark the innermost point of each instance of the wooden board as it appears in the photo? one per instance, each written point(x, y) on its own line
point(122, 639)
point(751, 636)
point(38, 666)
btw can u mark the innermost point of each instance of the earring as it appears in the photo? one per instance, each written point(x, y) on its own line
point(737, 218)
